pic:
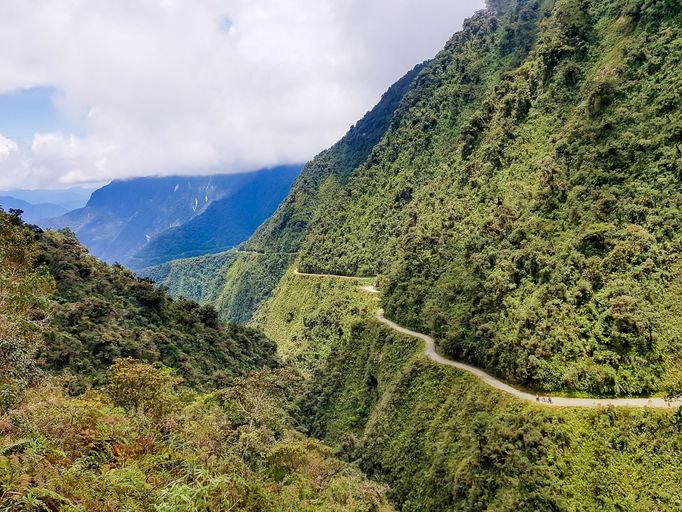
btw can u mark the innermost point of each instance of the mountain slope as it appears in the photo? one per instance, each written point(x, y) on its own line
point(526, 210)
point(490, 210)
point(242, 285)
point(442, 439)
point(123, 218)
point(490, 204)
point(92, 314)
point(146, 436)
point(200, 278)
point(225, 223)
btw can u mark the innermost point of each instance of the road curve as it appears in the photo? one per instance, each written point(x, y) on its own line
point(556, 401)
point(431, 353)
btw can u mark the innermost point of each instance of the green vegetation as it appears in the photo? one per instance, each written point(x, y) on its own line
point(526, 208)
point(519, 197)
point(24, 288)
point(235, 283)
point(100, 313)
point(199, 279)
point(82, 427)
point(441, 439)
point(309, 315)
point(523, 206)
point(249, 281)
point(134, 448)
point(76, 314)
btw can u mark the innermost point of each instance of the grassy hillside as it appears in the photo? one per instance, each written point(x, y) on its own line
point(249, 281)
point(308, 315)
point(525, 209)
point(442, 439)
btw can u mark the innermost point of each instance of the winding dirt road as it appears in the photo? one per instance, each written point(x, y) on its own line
point(556, 401)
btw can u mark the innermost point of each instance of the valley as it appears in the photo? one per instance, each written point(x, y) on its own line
point(486, 212)
point(146, 222)
point(470, 302)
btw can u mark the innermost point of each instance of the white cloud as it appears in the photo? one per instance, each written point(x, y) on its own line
point(7, 147)
point(167, 86)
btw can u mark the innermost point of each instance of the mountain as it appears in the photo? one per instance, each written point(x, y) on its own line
point(240, 285)
point(225, 223)
point(68, 198)
point(33, 213)
point(525, 211)
point(147, 221)
point(520, 203)
point(118, 384)
point(89, 314)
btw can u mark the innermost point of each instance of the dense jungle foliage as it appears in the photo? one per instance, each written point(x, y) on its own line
point(441, 439)
point(520, 201)
point(100, 313)
point(235, 283)
point(526, 207)
point(198, 279)
point(91, 314)
point(326, 173)
point(84, 428)
point(143, 444)
point(303, 327)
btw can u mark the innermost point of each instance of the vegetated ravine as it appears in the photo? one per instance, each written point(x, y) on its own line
point(519, 199)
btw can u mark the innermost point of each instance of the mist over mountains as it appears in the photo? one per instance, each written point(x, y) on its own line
point(145, 221)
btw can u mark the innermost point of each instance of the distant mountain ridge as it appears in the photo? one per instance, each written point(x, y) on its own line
point(127, 217)
point(33, 213)
point(68, 198)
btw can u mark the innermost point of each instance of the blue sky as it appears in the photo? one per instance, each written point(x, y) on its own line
point(24, 112)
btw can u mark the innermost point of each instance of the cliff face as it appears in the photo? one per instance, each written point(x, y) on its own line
point(523, 206)
point(525, 209)
point(518, 196)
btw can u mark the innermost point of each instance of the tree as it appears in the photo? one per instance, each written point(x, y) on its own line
point(673, 387)
point(142, 388)
point(18, 370)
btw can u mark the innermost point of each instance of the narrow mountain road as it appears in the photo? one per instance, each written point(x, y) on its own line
point(556, 401)
point(256, 253)
point(334, 276)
